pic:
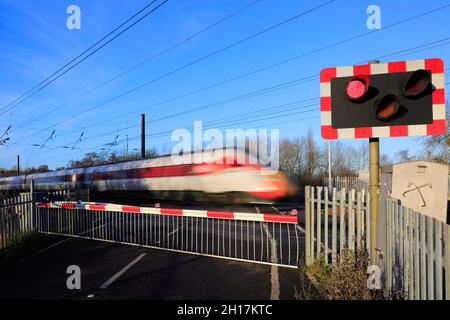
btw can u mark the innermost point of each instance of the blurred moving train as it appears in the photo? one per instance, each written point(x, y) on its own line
point(225, 174)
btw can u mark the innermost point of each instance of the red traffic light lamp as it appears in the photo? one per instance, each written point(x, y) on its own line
point(357, 87)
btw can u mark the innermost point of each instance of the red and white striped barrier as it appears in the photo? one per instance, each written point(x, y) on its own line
point(246, 216)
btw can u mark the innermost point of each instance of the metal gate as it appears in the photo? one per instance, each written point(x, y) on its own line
point(263, 238)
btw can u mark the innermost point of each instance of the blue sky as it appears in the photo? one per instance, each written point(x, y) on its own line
point(35, 42)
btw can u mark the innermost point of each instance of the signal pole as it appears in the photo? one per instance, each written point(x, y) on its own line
point(381, 92)
point(18, 165)
point(374, 176)
point(329, 167)
point(143, 135)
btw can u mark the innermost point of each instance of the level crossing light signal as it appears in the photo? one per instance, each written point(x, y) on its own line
point(393, 99)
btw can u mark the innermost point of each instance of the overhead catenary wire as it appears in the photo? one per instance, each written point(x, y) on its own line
point(312, 77)
point(307, 78)
point(144, 62)
point(277, 109)
point(274, 109)
point(415, 49)
point(267, 116)
point(207, 56)
point(250, 94)
point(397, 52)
point(41, 85)
point(78, 140)
point(166, 143)
point(403, 52)
point(384, 56)
point(246, 95)
point(96, 148)
point(222, 49)
point(6, 131)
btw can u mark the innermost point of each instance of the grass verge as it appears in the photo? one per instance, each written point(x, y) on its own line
point(24, 246)
point(344, 280)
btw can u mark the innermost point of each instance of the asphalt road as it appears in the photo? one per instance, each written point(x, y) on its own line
point(115, 271)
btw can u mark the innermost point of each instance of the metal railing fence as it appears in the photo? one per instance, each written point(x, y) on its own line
point(337, 223)
point(15, 218)
point(418, 254)
point(347, 183)
point(242, 236)
point(416, 264)
point(17, 215)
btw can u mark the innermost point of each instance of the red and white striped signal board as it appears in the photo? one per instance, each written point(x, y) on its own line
point(394, 99)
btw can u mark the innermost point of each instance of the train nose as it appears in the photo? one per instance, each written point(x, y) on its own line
point(272, 186)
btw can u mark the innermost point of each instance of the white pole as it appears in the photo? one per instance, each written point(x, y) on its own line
point(329, 165)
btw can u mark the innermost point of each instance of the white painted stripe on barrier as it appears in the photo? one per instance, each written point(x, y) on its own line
point(150, 210)
point(249, 216)
point(245, 216)
point(195, 213)
point(112, 208)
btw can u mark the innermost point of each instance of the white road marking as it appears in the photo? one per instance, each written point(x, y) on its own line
point(274, 281)
point(43, 250)
point(57, 244)
point(121, 272)
point(275, 284)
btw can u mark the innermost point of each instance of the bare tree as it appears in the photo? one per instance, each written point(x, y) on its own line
point(363, 155)
point(404, 156)
point(343, 159)
point(313, 156)
point(385, 160)
point(291, 155)
point(437, 147)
